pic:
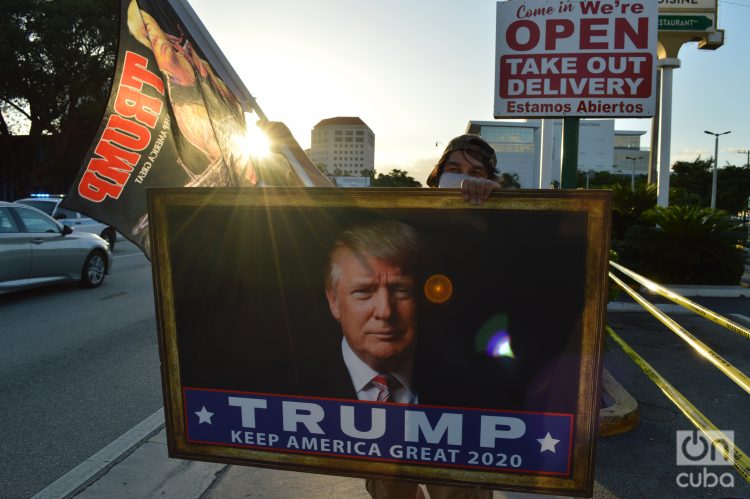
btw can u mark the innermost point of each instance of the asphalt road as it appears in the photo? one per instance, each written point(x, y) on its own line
point(78, 368)
point(643, 462)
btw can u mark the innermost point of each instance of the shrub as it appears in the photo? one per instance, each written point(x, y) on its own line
point(685, 245)
point(627, 206)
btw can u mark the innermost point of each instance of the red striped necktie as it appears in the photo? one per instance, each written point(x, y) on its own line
point(386, 384)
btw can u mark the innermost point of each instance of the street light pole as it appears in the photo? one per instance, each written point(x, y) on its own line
point(632, 176)
point(588, 173)
point(748, 156)
point(716, 165)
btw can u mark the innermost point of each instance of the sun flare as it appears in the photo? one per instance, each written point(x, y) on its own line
point(254, 142)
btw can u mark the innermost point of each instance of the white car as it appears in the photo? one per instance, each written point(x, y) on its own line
point(50, 204)
point(36, 249)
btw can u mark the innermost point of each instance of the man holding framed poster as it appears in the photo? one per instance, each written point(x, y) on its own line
point(242, 315)
point(470, 164)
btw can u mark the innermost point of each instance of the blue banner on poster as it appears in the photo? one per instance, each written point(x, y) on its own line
point(507, 441)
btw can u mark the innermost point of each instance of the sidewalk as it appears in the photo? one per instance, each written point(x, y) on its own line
point(146, 471)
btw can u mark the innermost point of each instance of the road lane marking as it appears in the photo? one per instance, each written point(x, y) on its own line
point(129, 254)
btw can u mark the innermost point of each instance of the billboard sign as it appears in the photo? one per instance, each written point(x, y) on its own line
point(687, 5)
point(575, 59)
point(672, 22)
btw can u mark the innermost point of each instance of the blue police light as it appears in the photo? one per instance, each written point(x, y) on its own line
point(46, 195)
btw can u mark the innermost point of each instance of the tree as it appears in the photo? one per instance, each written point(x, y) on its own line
point(695, 178)
point(63, 55)
point(606, 180)
point(733, 188)
point(692, 183)
point(396, 178)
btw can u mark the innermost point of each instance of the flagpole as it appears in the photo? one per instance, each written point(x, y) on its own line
point(213, 53)
point(301, 164)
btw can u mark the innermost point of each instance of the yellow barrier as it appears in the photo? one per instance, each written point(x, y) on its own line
point(681, 300)
point(738, 458)
point(732, 372)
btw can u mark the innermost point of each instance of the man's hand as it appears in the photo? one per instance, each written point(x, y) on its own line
point(476, 190)
point(282, 142)
point(278, 134)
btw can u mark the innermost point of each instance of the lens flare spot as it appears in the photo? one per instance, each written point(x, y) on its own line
point(493, 338)
point(438, 288)
point(499, 345)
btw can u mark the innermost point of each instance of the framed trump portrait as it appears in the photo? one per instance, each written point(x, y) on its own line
point(384, 333)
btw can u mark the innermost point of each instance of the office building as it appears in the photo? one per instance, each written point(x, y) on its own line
point(344, 145)
point(518, 145)
point(629, 156)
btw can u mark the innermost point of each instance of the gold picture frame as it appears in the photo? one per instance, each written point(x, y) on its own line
point(238, 285)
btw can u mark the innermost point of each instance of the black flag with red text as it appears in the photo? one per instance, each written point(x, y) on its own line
point(170, 122)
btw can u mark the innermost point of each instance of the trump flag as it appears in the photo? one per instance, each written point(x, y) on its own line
point(175, 118)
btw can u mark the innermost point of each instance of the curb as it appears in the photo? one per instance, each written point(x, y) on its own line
point(705, 291)
point(667, 308)
point(621, 413)
point(97, 465)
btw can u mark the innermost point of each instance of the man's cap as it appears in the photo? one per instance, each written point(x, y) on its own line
point(475, 144)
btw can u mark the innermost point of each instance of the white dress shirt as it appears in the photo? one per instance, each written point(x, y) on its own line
point(361, 375)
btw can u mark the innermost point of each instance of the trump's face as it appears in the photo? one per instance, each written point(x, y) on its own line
point(376, 306)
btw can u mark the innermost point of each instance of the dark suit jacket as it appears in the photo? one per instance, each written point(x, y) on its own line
point(324, 374)
point(441, 377)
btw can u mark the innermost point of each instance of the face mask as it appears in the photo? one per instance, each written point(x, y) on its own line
point(452, 180)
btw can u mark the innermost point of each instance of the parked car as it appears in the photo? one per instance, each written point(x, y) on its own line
point(50, 204)
point(36, 249)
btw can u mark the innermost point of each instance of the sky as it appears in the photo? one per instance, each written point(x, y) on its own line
point(417, 72)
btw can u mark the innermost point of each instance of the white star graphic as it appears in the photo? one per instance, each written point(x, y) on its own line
point(548, 443)
point(204, 416)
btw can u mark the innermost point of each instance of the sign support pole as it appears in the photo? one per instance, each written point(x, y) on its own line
point(545, 154)
point(665, 135)
point(569, 173)
point(679, 24)
point(653, 159)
